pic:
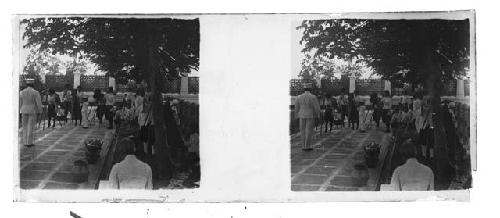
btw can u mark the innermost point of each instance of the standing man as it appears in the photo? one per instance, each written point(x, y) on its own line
point(30, 104)
point(307, 109)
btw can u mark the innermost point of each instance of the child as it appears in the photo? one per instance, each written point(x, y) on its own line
point(85, 112)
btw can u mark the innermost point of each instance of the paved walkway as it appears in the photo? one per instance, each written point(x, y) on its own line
point(329, 166)
point(48, 164)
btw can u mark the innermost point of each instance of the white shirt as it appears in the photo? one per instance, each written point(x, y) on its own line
point(412, 176)
point(131, 173)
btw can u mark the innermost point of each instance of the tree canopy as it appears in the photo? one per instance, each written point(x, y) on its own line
point(329, 69)
point(128, 48)
point(115, 44)
point(397, 49)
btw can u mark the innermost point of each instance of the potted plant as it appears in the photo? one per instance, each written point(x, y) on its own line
point(360, 175)
point(93, 147)
point(372, 152)
point(80, 171)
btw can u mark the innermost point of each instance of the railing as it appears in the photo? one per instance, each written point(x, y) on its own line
point(369, 86)
point(364, 87)
point(91, 83)
point(57, 82)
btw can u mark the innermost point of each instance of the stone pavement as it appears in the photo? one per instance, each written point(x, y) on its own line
point(329, 166)
point(48, 164)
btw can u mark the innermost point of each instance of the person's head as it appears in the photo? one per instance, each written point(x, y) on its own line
point(30, 83)
point(67, 86)
point(343, 91)
point(127, 146)
point(387, 93)
point(51, 91)
point(110, 89)
point(79, 88)
point(409, 149)
point(307, 87)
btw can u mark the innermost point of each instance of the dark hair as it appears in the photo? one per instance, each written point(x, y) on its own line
point(307, 89)
point(387, 93)
point(409, 149)
point(127, 146)
point(110, 89)
point(51, 91)
point(66, 86)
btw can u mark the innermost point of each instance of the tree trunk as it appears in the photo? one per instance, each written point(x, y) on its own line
point(425, 50)
point(161, 157)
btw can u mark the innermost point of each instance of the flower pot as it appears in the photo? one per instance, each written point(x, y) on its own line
point(80, 171)
point(92, 157)
point(360, 175)
point(372, 152)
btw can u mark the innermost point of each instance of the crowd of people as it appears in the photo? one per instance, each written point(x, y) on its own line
point(126, 109)
point(408, 118)
point(407, 113)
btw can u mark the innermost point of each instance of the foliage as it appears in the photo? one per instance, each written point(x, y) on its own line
point(395, 48)
point(323, 67)
point(145, 50)
point(115, 44)
point(420, 52)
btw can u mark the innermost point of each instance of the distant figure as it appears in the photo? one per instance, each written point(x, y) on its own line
point(85, 113)
point(76, 113)
point(386, 110)
point(130, 173)
point(328, 116)
point(101, 104)
point(307, 110)
point(66, 100)
point(51, 107)
point(110, 102)
point(343, 102)
point(412, 176)
point(353, 113)
point(30, 103)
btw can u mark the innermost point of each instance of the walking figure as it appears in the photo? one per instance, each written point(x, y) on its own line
point(30, 104)
point(307, 110)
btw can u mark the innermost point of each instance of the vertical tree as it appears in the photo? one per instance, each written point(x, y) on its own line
point(430, 52)
point(139, 49)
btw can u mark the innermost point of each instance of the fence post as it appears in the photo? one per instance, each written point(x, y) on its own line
point(352, 84)
point(460, 88)
point(387, 86)
point(184, 85)
point(76, 79)
point(112, 83)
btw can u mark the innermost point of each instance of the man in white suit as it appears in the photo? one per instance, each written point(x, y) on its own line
point(30, 104)
point(307, 109)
